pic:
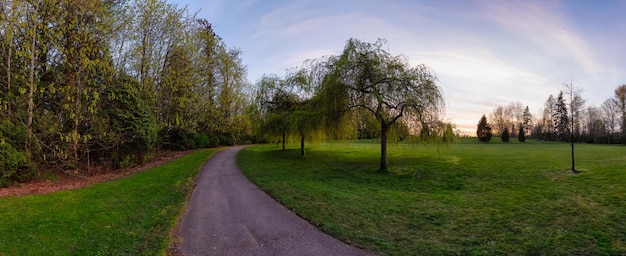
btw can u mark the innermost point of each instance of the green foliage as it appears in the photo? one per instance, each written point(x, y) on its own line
point(505, 135)
point(468, 199)
point(448, 135)
point(90, 84)
point(13, 164)
point(129, 216)
point(131, 123)
point(368, 77)
point(202, 140)
point(176, 138)
point(484, 130)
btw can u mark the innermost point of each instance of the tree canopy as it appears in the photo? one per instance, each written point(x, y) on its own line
point(368, 77)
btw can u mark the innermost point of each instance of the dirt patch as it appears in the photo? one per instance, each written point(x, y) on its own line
point(556, 175)
point(66, 182)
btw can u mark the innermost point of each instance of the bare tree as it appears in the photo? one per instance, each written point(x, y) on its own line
point(611, 111)
point(620, 97)
point(575, 103)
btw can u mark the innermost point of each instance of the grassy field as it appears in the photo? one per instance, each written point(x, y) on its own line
point(466, 199)
point(129, 216)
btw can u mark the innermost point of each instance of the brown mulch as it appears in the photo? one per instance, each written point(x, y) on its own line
point(66, 182)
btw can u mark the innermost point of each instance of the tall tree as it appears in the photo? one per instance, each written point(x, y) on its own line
point(483, 130)
point(560, 119)
point(366, 76)
point(547, 119)
point(620, 96)
point(526, 126)
point(275, 101)
point(611, 111)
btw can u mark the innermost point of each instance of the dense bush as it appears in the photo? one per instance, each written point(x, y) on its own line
point(176, 138)
point(202, 140)
point(505, 135)
point(521, 136)
point(13, 164)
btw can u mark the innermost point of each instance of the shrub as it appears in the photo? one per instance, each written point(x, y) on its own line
point(521, 137)
point(176, 138)
point(201, 140)
point(13, 164)
point(505, 135)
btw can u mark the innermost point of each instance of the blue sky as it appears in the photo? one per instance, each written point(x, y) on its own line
point(485, 52)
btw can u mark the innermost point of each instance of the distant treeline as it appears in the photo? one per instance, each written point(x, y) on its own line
point(566, 118)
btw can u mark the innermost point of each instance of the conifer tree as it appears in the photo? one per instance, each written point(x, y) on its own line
point(521, 137)
point(484, 130)
point(505, 135)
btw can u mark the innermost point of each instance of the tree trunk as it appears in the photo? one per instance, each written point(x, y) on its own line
point(31, 91)
point(284, 134)
point(302, 153)
point(383, 148)
point(573, 166)
point(10, 55)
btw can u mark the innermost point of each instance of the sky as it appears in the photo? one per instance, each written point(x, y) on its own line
point(485, 53)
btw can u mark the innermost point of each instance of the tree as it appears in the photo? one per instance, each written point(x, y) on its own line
point(560, 119)
point(611, 110)
point(448, 135)
point(275, 101)
point(527, 121)
point(547, 119)
point(366, 76)
point(505, 135)
point(521, 136)
point(620, 97)
point(484, 130)
point(575, 105)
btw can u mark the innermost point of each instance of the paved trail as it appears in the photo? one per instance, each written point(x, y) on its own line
point(228, 215)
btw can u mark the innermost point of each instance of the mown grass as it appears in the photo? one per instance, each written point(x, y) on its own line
point(465, 199)
point(128, 216)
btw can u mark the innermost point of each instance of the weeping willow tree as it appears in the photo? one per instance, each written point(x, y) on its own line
point(289, 107)
point(366, 76)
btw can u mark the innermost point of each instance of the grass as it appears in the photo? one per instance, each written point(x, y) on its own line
point(467, 199)
point(129, 216)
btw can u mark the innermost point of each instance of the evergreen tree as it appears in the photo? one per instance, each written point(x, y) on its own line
point(505, 135)
point(484, 130)
point(560, 119)
point(521, 137)
point(448, 135)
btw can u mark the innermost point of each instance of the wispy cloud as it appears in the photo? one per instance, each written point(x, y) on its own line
point(546, 24)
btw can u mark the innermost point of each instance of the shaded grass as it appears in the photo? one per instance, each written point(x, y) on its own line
point(468, 199)
point(129, 216)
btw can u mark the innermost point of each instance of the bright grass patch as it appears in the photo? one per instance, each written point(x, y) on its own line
point(129, 216)
point(466, 199)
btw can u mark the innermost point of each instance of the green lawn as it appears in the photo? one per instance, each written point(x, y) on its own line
point(128, 216)
point(466, 199)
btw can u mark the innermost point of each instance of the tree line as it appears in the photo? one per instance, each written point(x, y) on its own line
point(563, 118)
point(93, 85)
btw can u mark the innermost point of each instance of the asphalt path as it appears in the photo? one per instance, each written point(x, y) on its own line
point(229, 215)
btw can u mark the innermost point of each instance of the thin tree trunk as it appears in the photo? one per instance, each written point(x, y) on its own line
point(573, 164)
point(284, 134)
point(302, 153)
point(383, 148)
point(31, 91)
point(10, 55)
